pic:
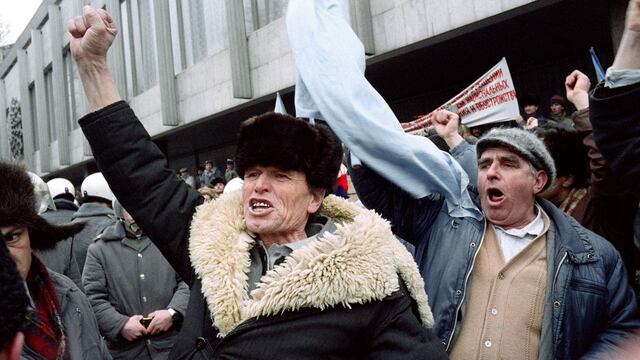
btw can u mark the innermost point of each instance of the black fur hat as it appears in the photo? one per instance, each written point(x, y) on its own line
point(288, 143)
point(18, 207)
point(14, 301)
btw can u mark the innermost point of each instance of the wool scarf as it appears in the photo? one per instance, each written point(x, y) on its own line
point(44, 332)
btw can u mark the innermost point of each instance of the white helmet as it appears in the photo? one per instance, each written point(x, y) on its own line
point(44, 201)
point(233, 185)
point(96, 185)
point(60, 186)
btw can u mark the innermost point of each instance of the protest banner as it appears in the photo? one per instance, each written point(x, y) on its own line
point(490, 99)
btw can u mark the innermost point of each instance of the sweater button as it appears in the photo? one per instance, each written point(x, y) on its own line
point(556, 304)
point(501, 275)
point(201, 343)
point(458, 292)
point(487, 344)
point(472, 244)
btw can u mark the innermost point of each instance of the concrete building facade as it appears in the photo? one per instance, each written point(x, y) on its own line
point(194, 69)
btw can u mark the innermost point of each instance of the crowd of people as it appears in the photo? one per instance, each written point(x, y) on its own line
point(209, 176)
point(516, 242)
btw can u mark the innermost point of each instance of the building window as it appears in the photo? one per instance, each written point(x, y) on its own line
point(198, 29)
point(34, 117)
point(139, 45)
point(51, 118)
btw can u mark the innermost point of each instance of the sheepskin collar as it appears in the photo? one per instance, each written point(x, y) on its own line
point(358, 263)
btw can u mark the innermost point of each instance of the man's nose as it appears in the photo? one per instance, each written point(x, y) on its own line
point(492, 171)
point(262, 183)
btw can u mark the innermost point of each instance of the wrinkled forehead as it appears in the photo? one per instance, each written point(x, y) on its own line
point(501, 152)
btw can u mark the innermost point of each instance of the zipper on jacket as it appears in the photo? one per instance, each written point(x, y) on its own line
point(555, 277)
point(464, 288)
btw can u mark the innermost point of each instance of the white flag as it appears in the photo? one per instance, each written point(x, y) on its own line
point(490, 99)
point(280, 109)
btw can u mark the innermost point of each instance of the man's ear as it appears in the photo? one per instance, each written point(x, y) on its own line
point(540, 181)
point(316, 200)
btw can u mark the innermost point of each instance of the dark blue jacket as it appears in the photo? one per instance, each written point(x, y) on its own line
point(593, 307)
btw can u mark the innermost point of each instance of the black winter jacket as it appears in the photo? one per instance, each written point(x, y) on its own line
point(386, 326)
point(615, 116)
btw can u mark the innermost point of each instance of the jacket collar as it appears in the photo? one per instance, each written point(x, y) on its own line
point(571, 237)
point(116, 232)
point(64, 204)
point(359, 263)
point(92, 209)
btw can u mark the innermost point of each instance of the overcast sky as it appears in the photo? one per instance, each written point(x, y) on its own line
point(17, 14)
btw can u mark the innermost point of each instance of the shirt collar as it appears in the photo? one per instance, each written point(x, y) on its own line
point(314, 229)
point(534, 228)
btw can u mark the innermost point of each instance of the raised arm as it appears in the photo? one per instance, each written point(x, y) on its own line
point(91, 36)
point(615, 108)
point(446, 124)
point(331, 86)
point(133, 165)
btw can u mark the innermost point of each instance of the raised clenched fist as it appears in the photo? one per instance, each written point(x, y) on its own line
point(91, 35)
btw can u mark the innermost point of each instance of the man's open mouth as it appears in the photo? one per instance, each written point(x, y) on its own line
point(495, 196)
point(259, 205)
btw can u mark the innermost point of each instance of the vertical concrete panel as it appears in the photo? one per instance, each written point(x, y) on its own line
point(361, 22)
point(25, 108)
point(4, 126)
point(164, 53)
point(240, 71)
point(380, 6)
point(41, 100)
point(60, 103)
point(394, 28)
point(437, 17)
point(414, 14)
point(486, 8)
point(461, 12)
point(116, 52)
point(379, 35)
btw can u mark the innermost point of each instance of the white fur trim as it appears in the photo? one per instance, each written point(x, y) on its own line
point(359, 263)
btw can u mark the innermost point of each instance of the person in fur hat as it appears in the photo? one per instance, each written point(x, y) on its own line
point(61, 324)
point(277, 269)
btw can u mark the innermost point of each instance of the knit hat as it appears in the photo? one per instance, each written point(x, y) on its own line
point(13, 302)
point(557, 99)
point(523, 143)
point(289, 143)
point(18, 207)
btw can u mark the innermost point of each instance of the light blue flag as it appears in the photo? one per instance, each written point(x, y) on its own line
point(280, 109)
point(330, 85)
point(596, 65)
